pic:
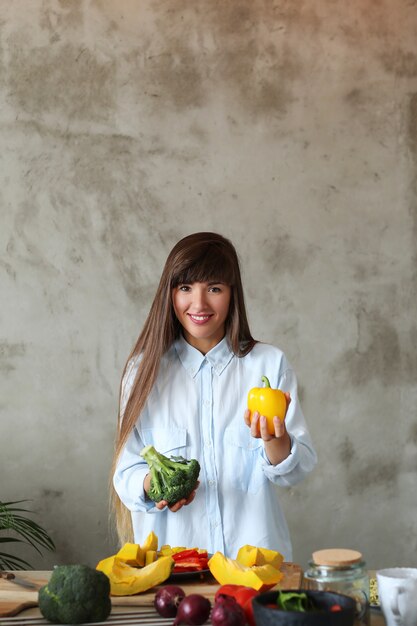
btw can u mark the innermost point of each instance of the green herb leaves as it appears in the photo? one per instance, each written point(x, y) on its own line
point(294, 601)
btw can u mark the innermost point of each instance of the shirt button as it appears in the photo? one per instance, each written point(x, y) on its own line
point(212, 482)
point(206, 402)
point(208, 444)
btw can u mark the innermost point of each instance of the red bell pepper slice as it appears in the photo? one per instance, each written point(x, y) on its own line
point(243, 595)
point(184, 554)
point(190, 560)
point(191, 564)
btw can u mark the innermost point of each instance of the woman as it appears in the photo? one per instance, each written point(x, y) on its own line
point(184, 391)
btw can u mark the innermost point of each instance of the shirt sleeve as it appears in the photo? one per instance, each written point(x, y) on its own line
point(131, 469)
point(130, 473)
point(302, 457)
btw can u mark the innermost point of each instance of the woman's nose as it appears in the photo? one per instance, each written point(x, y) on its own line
point(199, 299)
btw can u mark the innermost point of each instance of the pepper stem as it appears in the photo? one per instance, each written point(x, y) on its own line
point(266, 381)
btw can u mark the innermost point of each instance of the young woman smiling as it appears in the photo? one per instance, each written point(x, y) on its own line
point(202, 309)
point(184, 390)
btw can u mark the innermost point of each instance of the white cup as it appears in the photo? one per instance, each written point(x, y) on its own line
point(397, 590)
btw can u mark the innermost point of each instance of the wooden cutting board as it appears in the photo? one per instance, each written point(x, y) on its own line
point(14, 599)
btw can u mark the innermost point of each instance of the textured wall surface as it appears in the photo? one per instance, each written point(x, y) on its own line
point(290, 127)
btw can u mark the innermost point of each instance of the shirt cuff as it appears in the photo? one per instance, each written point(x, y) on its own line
point(134, 485)
point(286, 466)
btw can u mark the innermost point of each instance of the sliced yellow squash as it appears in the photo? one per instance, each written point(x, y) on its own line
point(230, 572)
point(132, 554)
point(126, 580)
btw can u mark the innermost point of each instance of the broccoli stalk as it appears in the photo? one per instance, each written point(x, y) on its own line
point(171, 479)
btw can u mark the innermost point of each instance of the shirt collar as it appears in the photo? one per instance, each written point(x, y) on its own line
point(192, 359)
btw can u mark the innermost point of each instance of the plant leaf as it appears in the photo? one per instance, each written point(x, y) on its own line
point(29, 531)
point(7, 561)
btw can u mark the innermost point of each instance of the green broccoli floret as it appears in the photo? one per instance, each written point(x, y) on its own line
point(75, 594)
point(171, 479)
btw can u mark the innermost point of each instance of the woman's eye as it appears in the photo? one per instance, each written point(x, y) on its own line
point(215, 289)
point(184, 288)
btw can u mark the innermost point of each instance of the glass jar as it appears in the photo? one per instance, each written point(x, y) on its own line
point(343, 571)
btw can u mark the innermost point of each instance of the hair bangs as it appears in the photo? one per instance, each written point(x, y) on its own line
point(210, 266)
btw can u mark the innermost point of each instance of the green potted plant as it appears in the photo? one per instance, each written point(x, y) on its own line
point(17, 527)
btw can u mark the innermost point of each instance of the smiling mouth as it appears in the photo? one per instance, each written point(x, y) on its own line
point(199, 319)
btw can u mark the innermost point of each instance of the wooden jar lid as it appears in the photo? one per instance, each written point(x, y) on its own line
point(336, 556)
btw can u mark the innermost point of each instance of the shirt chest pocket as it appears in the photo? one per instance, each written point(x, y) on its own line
point(168, 441)
point(243, 460)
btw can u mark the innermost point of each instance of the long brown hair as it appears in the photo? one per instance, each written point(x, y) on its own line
point(200, 257)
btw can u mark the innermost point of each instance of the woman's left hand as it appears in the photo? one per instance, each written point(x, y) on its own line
point(258, 425)
point(278, 445)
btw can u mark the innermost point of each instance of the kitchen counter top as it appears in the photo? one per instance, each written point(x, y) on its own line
point(130, 609)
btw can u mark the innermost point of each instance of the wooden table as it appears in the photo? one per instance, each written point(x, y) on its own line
point(129, 609)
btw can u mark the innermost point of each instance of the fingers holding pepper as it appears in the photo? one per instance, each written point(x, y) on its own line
point(267, 427)
point(260, 426)
point(270, 403)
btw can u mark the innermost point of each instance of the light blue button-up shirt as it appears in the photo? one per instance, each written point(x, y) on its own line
point(196, 410)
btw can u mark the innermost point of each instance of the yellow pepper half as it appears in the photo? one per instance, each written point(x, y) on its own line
point(269, 402)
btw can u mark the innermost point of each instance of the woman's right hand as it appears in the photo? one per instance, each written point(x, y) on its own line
point(163, 503)
point(178, 505)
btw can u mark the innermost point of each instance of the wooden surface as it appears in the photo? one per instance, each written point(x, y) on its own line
point(14, 599)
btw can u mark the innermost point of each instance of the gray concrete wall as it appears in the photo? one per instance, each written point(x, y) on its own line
point(290, 127)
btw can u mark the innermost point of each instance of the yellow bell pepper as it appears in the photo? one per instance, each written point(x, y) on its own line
point(268, 402)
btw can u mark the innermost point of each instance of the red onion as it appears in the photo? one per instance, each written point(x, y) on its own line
point(227, 612)
point(194, 610)
point(167, 600)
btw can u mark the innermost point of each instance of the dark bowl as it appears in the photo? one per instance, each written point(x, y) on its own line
point(323, 600)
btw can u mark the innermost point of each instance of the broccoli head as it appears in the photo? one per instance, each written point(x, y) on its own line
point(75, 594)
point(171, 478)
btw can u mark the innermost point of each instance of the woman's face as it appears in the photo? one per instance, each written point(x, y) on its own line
point(202, 310)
